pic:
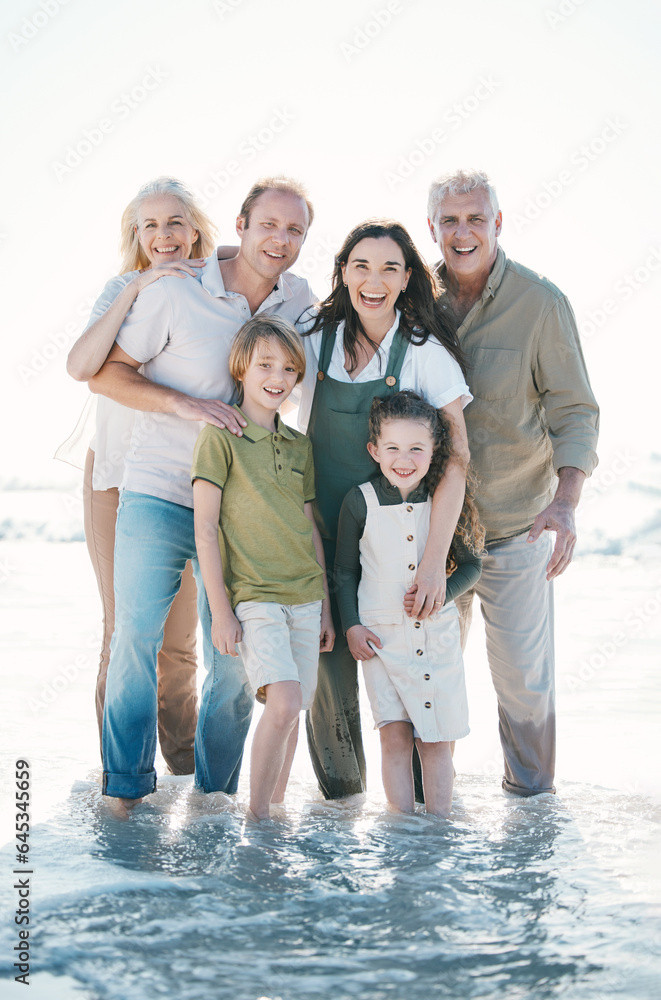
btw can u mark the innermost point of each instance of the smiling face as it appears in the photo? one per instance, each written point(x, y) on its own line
point(404, 451)
point(466, 230)
point(375, 274)
point(164, 232)
point(267, 381)
point(272, 236)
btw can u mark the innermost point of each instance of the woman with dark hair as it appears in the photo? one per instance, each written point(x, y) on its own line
point(380, 330)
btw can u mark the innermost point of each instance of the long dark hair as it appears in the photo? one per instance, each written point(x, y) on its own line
point(421, 317)
point(409, 405)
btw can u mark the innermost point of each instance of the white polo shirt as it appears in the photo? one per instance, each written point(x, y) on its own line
point(428, 369)
point(181, 332)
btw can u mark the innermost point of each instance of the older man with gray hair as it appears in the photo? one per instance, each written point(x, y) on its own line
point(532, 430)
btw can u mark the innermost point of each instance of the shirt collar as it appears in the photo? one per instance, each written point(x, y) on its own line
point(495, 275)
point(419, 493)
point(253, 432)
point(385, 344)
point(212, 281)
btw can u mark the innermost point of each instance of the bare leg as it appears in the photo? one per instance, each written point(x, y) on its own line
point(437, 776)
point(271, 743)
point(281, 784)
point(396, 769)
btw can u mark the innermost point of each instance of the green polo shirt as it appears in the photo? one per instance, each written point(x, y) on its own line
point(533, 410)
point(265, 538)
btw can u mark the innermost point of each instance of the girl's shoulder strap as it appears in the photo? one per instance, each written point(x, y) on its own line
point(371, 499)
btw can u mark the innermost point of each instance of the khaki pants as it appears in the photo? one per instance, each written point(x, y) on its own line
point(517, 607)
point(177, 665)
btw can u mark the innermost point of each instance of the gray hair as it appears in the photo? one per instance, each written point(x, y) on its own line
point(459, 182)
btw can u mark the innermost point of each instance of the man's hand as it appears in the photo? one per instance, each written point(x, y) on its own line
point(213, 411)
point(559, 517)
point(358, 638)
point(425, 595)
point(226, 631)
point(327, 631)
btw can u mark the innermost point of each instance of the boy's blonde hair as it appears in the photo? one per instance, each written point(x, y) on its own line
point(256, 330)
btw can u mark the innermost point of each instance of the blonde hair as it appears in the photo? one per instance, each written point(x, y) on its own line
point(133, 256)
point(261, 329)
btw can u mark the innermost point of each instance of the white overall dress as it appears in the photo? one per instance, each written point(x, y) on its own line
point(418, 676)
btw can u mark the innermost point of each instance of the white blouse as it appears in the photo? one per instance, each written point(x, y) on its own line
point(428, 369)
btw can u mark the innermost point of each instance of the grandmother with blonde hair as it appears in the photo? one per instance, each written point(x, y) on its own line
point(163, 232)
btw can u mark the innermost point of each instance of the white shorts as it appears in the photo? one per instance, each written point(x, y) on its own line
point(418, 676)
point(280, 643)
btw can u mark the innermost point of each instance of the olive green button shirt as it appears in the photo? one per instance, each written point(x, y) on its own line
point(533, 410)
point(265, 537)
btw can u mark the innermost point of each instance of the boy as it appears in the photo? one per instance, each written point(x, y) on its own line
point(264, 570)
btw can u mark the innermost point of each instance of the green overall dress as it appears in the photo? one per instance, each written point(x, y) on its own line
point(339, 433)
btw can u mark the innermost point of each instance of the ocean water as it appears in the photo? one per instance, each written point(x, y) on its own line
point(556, 896)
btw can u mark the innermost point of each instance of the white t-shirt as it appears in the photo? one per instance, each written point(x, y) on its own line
point(104, 425)
point(181, 332)
point(428, 369)
point(114, 422)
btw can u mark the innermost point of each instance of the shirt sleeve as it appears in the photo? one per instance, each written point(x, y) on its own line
point(437, 375)
point(110, 292)
point(467, 573)
point(146, 329)
point(212, 456)
point(562, 381)
point(351, 525)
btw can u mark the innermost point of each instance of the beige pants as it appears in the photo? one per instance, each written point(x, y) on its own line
point(177, 665)
point(517, 606)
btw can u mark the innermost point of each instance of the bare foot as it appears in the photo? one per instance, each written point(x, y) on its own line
point(121, 808)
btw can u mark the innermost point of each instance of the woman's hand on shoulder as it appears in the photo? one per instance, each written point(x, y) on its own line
point(176, 269)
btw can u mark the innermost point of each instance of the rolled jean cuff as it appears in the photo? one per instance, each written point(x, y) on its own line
point(128, 786)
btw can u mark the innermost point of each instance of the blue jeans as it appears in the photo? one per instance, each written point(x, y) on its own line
point(154, 539)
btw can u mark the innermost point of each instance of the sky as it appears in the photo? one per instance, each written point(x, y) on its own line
point(365, 102)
